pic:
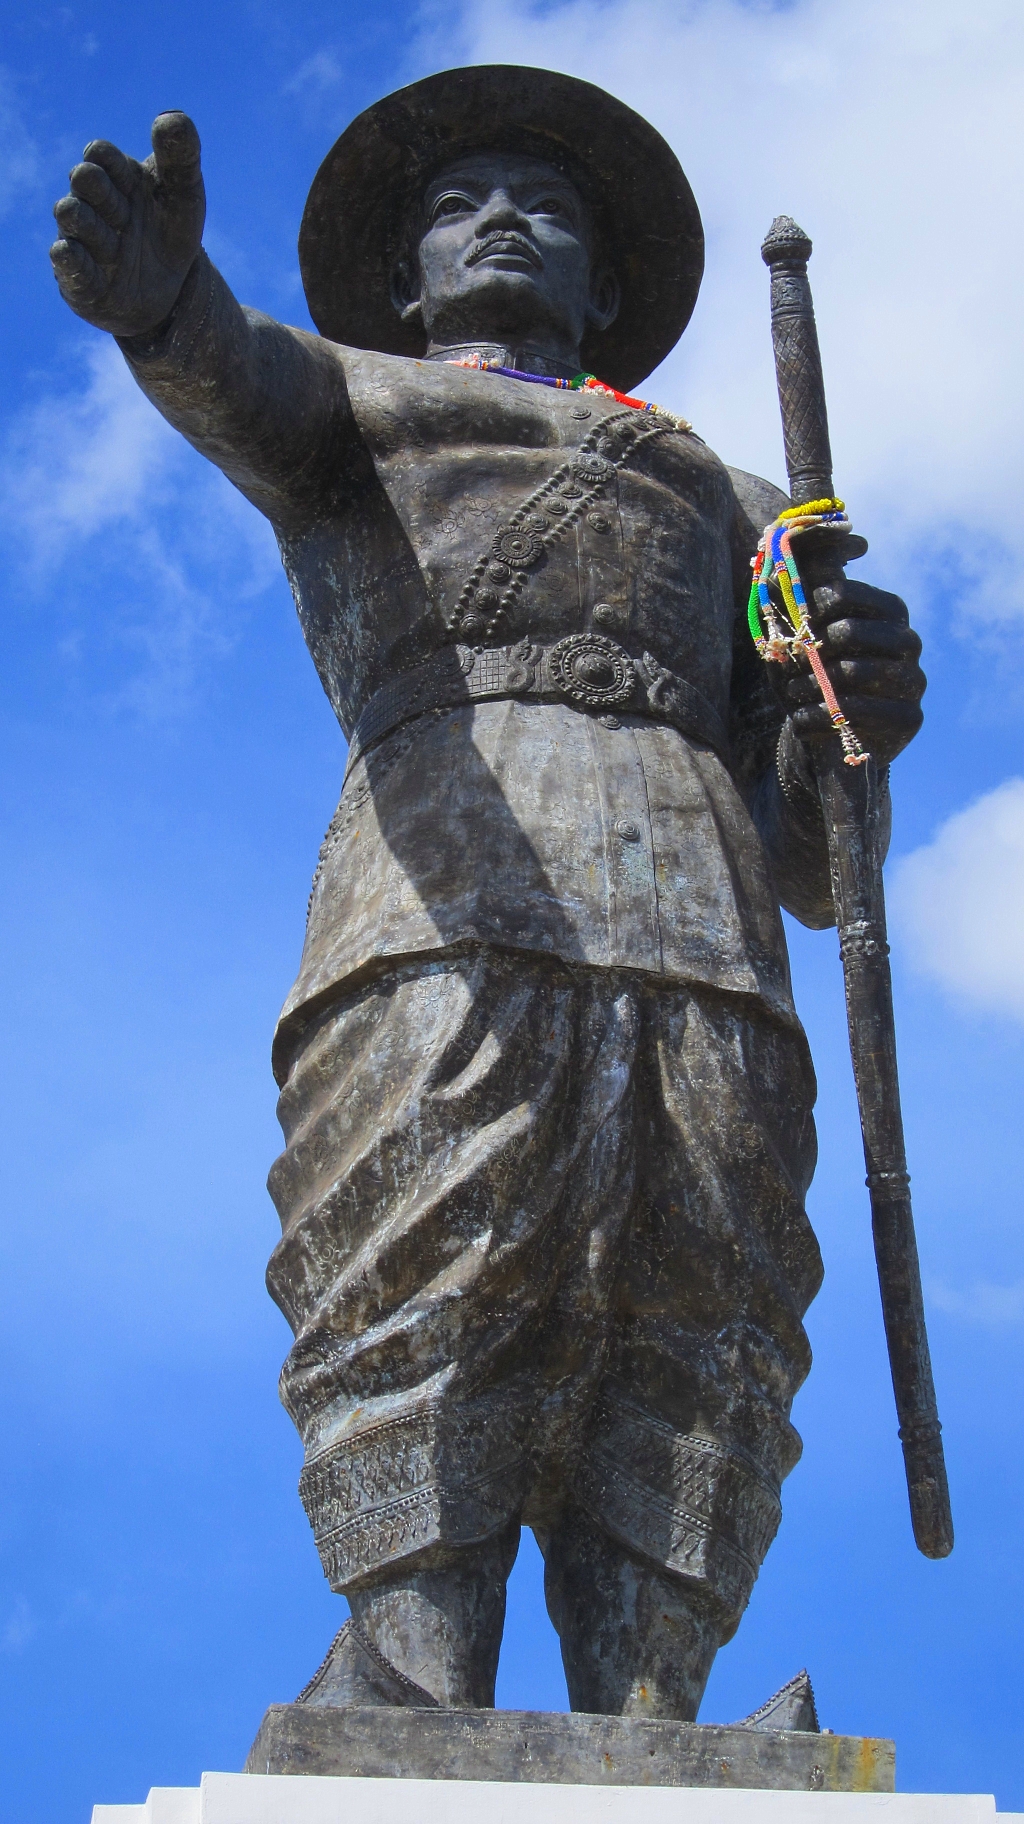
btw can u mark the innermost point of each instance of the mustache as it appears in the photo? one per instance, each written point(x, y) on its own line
point(509, 241)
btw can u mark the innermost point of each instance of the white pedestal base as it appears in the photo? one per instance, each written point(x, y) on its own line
point(252, 1798)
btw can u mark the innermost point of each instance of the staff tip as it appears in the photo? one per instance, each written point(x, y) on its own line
point(785, 241)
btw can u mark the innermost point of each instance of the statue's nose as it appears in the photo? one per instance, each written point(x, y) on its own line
point(500, 211)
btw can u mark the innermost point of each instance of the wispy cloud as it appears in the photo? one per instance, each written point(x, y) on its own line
point(981, 1303)
point(150, 550)
point(889, 129)
point(19, 1627)
point(958, 903)
point(316, 76)
point(20, 165)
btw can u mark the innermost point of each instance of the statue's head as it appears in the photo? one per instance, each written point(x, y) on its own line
point(503, 249)
point(506, 205)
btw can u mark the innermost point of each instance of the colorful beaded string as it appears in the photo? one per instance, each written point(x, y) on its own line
point(583, 383)
point(775, 562)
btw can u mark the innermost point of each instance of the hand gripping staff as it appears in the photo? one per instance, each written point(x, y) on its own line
point(848, 783)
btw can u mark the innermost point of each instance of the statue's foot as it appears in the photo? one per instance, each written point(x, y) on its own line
point(354, 1675)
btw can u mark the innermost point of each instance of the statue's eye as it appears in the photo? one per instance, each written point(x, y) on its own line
point(452, 204)
point(550, 205)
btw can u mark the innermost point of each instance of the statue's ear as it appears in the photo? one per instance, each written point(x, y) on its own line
point(605, 298)
point(405, 288)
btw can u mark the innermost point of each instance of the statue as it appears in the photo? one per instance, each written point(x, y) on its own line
point(545, 1097)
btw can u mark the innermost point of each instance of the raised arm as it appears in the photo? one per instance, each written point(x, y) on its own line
point(268, 404)
point(871, 653)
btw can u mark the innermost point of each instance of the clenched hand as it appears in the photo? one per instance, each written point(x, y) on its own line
point(130, 231)
point(871, 654)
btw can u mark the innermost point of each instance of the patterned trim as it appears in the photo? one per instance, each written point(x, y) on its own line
point(386, 1493)
point(681, 1501)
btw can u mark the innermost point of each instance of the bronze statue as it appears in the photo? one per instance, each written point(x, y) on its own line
point(546, 1101)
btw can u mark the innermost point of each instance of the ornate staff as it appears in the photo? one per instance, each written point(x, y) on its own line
point(848, 783)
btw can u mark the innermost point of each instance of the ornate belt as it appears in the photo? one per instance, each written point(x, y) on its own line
point(587, 670)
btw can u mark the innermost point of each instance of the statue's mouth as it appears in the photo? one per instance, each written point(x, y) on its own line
point(504, 244)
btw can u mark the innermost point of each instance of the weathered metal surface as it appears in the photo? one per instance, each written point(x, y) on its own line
point(573, 1749)
point(546, 1098)
point(850, 799)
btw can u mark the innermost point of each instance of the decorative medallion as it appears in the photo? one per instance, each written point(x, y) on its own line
point(517, 547)
point(589, 466)
point(593, 670)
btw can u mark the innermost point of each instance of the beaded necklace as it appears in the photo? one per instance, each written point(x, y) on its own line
point(775, 560)
point(583, 383)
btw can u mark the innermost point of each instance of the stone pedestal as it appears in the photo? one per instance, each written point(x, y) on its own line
point(552, 1747)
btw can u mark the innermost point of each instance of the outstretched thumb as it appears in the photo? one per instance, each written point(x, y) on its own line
point(176, 151)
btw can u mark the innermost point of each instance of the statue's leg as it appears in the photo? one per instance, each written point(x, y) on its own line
point(441, 1626)
point(675, 1499)
point(445, 1129)
point(636, 1640)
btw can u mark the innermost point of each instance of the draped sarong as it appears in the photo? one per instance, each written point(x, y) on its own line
point(545, 1243)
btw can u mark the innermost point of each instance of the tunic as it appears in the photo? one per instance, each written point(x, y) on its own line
point(391, 485)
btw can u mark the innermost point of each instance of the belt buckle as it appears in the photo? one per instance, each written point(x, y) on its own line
point(590, 668)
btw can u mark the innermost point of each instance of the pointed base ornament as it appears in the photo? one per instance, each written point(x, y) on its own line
point(793, 1707)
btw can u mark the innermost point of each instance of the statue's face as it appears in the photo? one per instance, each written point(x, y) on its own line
point(505, 255)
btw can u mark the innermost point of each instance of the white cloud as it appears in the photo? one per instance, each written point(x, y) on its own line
point(84, 459)
point(981, 1303)
point(889, 129)
point(153, 548)
point(958, 903)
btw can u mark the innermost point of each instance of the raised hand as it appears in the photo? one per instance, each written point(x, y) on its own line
point(871, 654)
point(130, 231)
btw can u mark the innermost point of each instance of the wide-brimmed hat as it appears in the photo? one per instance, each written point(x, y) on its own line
point(646, 221)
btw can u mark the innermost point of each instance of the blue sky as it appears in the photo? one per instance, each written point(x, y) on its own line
point(171, 764)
